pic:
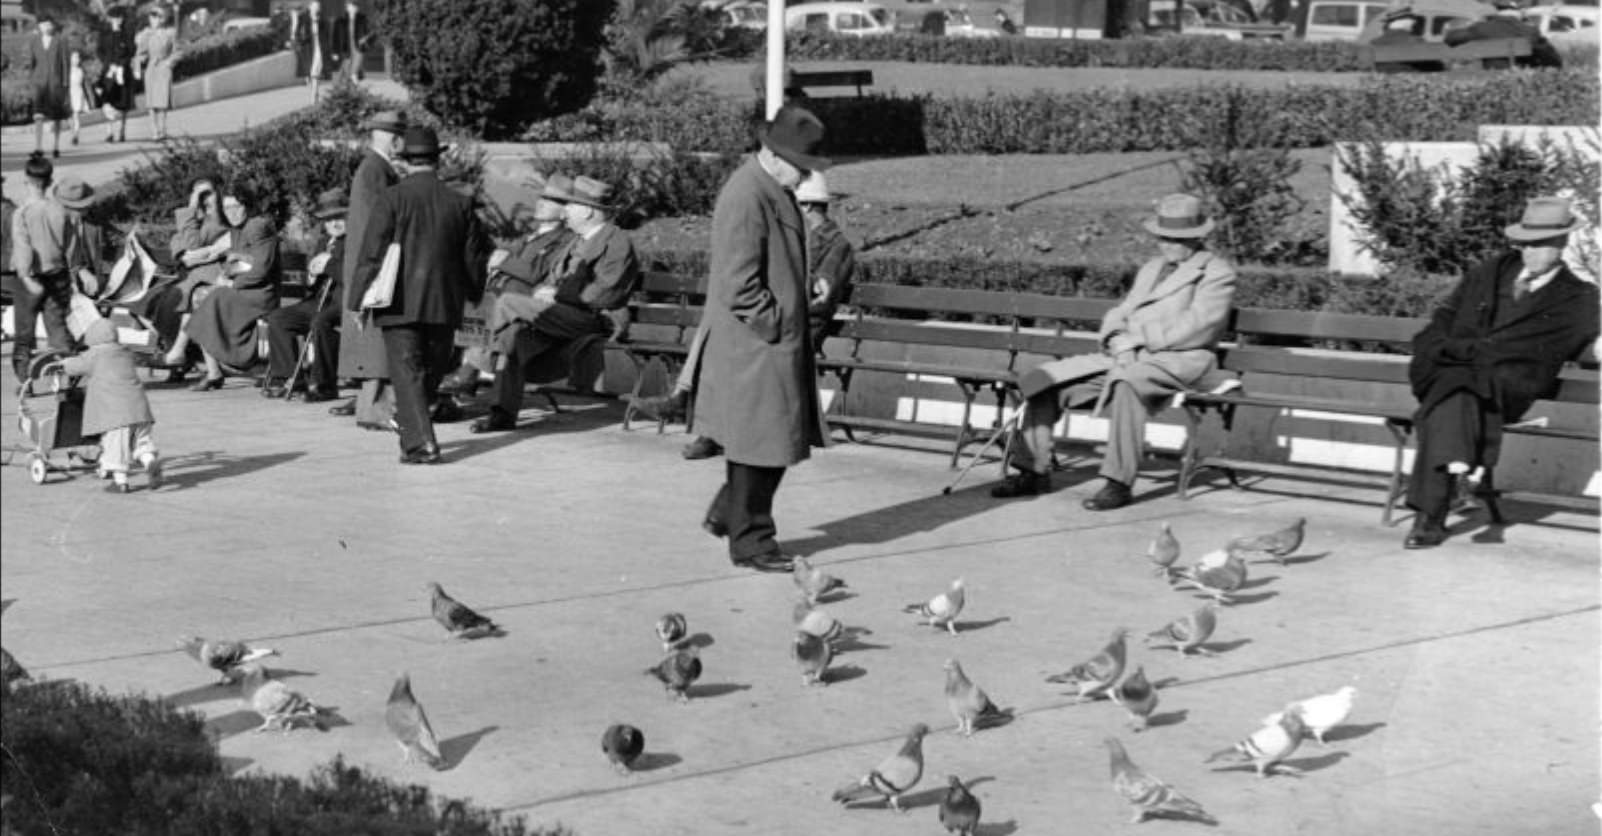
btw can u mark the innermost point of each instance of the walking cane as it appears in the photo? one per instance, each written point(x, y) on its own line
point(1011, 422)
point(305, 346)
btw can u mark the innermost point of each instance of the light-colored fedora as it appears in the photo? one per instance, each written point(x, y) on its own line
point(590, 192)
point(558, 188)
point(73, 193)
point(1544, 217)
point(1180, 216)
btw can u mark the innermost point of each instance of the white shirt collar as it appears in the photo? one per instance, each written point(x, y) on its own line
point(1541, 280)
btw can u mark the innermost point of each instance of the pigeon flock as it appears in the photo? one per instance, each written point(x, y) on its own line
point(1106, 675)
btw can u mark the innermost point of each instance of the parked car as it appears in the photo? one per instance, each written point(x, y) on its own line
point(843, 18)
point(16, 21)
point(1566, 24)
point(1336, 20)
point(1428, 20)
point(1209, 18)
point(746, 14)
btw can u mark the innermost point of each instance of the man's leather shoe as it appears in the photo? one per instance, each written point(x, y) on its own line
point(1426, 534)
point(1022, 483)
point(344, 410)
point(274, 390)
point(496, 421)
point(444, 411)
point(670, 407)
point(774, 561)
point(426, 454)
point(318, 394)
point(1112, 495)
point(702, 448)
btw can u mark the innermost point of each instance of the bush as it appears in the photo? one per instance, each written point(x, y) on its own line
point(648, 184)
point(82, 761)
point(493, 66)
point(225, 49)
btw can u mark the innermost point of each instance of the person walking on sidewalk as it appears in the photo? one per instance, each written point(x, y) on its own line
point(155, 52)
point(49, 66)
point(758, 391)
point(115, 88)
point(443, 251)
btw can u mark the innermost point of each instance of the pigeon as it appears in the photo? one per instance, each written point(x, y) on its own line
point(678, 670)
point(817, 621)
point(1269, 745)
point(1147, 794)
point(275, 702)
point(11, 670)
point(812, 654)
point(622, 744)
point(1218, 574)
point(1163, 551)
point(459, 618)
point(671, 629)
point(943, 609)
point(1278, 545)
point(225, 657)
point(814, 583)
point(1137, 696)
point(959, 810)
point(968, 703)
point(1188, 633)
point(1094, 677)
point(406, 721)
point(1323, 712)
point(892, 777)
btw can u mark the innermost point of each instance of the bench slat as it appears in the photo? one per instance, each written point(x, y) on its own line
point(1327, 326)
point(1374, 367)
point(971, 373)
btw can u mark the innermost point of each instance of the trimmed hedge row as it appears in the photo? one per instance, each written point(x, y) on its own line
point(1392, 108)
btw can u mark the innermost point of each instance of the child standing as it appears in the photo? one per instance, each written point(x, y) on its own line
point(78, 93)
point(115, 406)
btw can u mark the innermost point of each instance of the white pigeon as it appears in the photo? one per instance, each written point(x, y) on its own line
point(817, 621)
point(1323, 712)
point(943, 609)
point(275, 702)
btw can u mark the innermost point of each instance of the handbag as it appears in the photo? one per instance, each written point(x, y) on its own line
point(381, 293)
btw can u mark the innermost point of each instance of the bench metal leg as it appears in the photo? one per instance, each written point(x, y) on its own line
point(1189, 454)
point(640, 367)
point(969, 393)
point(669, 368)
point(838, 407)
point(1400, 433)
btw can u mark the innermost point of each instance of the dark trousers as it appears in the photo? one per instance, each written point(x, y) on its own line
point(1452, 431)
point(744, 506)
point(53, 302)
point(302, 319)
point(419, 355)
point(510, 379)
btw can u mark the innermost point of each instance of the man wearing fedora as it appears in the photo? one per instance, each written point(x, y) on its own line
point(86, 254)
point(757, 391)
point(1493, 348)
point(443, 252)
point(42, 237)
point(596, 273)
point(361, 351)
point(519, 285)
point(1158, 341)
point(312, 318)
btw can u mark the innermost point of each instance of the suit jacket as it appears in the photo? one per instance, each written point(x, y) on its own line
point(598, 273)
point(531, 264)
point(1175, 320)
point(443, 252)
point(1510, 364)
point(757, 388)
point(361, 350)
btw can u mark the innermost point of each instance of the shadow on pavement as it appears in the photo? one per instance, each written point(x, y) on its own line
point(894, 522)
point(210, 692)
point(652, 761)
point(702, 692)
point(1167, 718)
point(966, 626)
point(1225, 647)
point(455, 749)
point(843, 673)
point(700, 641)
point(1297, 560)
point(568, 421)
point(195, 469)
point(1001, 828)
point(234, 722)
point(234, 766)
point(1351, 732)
point(1318, 763)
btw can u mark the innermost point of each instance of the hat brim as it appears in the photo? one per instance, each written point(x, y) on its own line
point(1180, 232)
point(82, 203)
point(1520, 232)
point(330, 214)
point(604, 207)
point(805, 162)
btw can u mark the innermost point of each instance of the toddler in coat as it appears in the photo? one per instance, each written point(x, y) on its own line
point(115, 407)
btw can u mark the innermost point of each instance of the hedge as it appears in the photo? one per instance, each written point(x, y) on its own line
point(84, 761)
point(1390, 108)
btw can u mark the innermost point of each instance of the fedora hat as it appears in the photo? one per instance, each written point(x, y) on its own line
point(420, 143)
point(814, 189)
point(394, 121)
point(1544, 217)
point(558, 187)
point(74, 193)
point(795, 134)
point(590, 192)
point(331, 204)
point(1180, 216)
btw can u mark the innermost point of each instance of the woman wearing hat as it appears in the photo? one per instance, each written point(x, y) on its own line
point(115, 87)
point(1158, 341)
point(313, 318)
point(1493, 348)
point(155, 52)
point(224, 323)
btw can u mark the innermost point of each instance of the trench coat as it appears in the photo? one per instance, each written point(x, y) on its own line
point(113, 397)
point(1176, 320)
point(757, 391)
point(361, 348)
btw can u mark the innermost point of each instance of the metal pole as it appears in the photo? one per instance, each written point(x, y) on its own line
point(775, 76)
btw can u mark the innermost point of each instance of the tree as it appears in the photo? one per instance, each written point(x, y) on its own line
point(492, 67)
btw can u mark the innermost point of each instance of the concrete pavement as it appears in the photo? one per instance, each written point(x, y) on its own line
point(1476, 663)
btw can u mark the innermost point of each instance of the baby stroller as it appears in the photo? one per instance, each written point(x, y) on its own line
point(61, 431)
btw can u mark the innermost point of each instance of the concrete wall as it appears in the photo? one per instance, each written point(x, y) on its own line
point(265, 73)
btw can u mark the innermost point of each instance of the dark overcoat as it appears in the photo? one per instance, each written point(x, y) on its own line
point(361, 350)
point(443, 252)
point(757, 389)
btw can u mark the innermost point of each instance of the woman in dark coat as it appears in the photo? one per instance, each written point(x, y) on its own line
point(116, 87)
point(224, 323)
point(49, 65)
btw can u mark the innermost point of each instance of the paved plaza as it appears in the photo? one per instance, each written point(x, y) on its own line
point(1476, 664)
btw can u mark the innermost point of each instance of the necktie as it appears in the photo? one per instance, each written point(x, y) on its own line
point(1521, 286)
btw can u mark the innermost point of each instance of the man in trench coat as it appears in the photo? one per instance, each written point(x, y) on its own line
point(757, 389)
point(1492, 349)
point(361, 349)
point(1158, 341)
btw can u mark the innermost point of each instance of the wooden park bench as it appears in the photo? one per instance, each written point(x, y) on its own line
point(834, 78)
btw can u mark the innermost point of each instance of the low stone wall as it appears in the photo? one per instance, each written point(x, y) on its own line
point(265, 73)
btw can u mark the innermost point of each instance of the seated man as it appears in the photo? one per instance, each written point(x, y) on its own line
point(832, 264)
point(316, 318)
point(1491, 349)
point(1508, 22)
point(1158, 341)
point(596, 273)
point(519, 286)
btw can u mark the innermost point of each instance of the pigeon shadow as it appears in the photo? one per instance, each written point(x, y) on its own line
point(1167, 718)
point(1000, 828)
point(843, 673)
point(5, 604)
point(1299, 559)
point(234, 722)
point(835, 596)
point(652, 761)
point(702, 692)
point(1351, 732)
point(477, 633)
point(965, 626)
point(1224, 647)
point(1256, 582)
point(698, 641)
point(912, 801)
point(209, 692)
point(1005, 718)
point(1252, 599)
point(455, 750)
point(1320, 762)
point(850, 644)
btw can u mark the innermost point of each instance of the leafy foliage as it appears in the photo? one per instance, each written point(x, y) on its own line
point(1246, 184)
point(646, 38)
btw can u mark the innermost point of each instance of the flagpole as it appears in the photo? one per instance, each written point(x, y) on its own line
point(775, 74)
